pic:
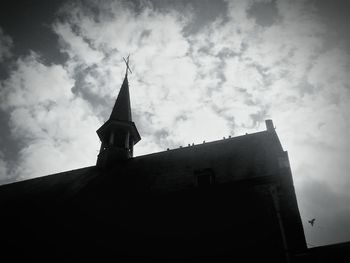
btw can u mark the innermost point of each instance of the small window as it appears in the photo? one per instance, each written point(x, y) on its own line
point(204, 177)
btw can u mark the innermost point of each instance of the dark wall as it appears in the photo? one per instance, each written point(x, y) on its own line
point(216, 222)
point(221, 201)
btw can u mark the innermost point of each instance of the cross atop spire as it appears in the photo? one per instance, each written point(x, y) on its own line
point(127, 65)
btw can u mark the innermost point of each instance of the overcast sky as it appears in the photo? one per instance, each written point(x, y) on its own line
point(201, 70)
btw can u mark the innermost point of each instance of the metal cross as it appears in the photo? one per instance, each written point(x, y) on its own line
point(127, 64)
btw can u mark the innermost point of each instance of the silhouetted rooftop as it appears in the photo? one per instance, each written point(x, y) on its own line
point(231, 159)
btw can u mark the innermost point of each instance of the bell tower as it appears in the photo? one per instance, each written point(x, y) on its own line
point(118, 134)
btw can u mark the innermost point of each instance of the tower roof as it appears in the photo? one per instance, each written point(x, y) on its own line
point(122, 109)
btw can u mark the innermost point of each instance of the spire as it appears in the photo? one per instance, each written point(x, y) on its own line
point(118, 134)
point(122, 109)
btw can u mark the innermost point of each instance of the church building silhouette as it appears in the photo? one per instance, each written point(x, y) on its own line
point(230, 200)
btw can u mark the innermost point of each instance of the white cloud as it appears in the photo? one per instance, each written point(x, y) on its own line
point(201, 124)
point(76, 47)
point(33, 82)
point(54, 127)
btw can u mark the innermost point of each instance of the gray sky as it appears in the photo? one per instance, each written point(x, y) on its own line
point(201, 70)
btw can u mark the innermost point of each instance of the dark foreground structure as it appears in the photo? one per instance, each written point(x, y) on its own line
point(231, 200)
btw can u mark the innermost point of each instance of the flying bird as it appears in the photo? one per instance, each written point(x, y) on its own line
point(312, 221)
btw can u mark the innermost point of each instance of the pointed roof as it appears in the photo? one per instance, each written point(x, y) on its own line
point(122, 109)
point(120, 118)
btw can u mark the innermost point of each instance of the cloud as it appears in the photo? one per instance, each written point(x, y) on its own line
point(47, 119)
point(33, 83)
point(5, 46)
point(4, 174)
point(76, 47)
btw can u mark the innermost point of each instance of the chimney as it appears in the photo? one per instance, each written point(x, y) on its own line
point(269, 126)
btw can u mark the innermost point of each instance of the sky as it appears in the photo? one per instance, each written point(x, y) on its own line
point(201, 70)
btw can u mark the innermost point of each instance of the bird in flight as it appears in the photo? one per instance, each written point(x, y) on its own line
point(312, 221)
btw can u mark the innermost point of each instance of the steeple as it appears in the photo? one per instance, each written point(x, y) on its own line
point(122, 108)
point(118, 134)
